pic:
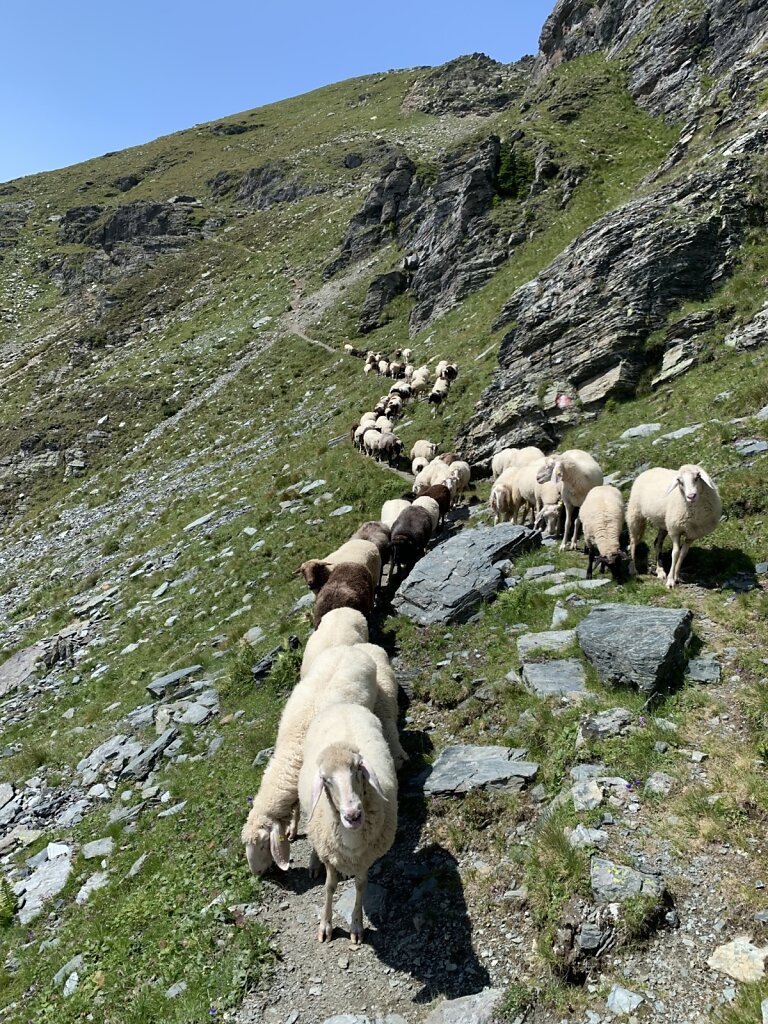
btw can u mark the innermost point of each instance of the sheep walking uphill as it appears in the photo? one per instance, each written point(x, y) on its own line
point(683, 503)
point(348, 793)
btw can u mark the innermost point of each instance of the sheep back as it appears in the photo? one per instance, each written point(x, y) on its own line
point(349, 586)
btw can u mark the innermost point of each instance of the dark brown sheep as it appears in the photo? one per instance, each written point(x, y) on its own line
point(410, 535)
point(377, 533)
point(348, 586)
point(442, 496)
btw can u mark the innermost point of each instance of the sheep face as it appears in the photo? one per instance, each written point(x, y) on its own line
point(315, 573)
point(549, 517)
point(341, 774)
point(690, 479)
point(268, 845)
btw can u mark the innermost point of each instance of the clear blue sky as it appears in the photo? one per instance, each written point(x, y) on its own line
point(83, 77)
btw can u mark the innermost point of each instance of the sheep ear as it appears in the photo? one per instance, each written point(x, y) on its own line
point(317, 791)
point(706, 478)
point(370, 776)
point(279, 847)
point(675, 483)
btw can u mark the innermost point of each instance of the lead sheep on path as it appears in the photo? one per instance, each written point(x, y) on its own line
point(684, 504)
point(348, 792)
point(342, 674)
point(602, 518)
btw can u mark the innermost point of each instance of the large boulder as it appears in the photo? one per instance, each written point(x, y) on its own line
point(450, 581)
point(637, 646)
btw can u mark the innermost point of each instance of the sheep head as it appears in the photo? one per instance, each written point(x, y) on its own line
point(545, 470)
point(548, 516)
point(341, 774)
point(316, 573)
point(690, 479)
point(265, 845)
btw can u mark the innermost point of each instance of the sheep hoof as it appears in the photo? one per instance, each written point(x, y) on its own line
point(660, 573)
point(325, 931)
point(356, 937)
point(670, 583)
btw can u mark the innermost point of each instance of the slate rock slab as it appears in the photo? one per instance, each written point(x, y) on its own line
point(614, 883)
point(449, 583)
point(140, 767)
point(549, 640)
point(460, 769)
point(555, 678)
point(602, 724)
point(622, 1001)
point(19, 668)
point(703, 670)
point(159, 686)
point(637, 646)
point(750, 446)
point(475, 1009)
point(42, 885)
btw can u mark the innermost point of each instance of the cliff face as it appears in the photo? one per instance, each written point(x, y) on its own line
point(578, 333)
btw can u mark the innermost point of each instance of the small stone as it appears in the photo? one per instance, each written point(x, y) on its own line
point(96, 881)
point(740, 960)
point(702, 670)
point(70, 986)
point(586, 795)
point(99, 848)
point(623, 1002)
point(643, 430)
point(659, 783)
point(137, 865)
point(72, 965)
point(551, 640)
point(581, 837)
point(555, 678)
point(199, 522)
point(342, 510)
point(176, 990)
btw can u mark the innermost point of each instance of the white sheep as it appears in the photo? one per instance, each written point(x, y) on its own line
point(424, 449)
point(407, 354)
point(502, 460)
point(505, 500)
point(435, 473)
point(549, 504)
point(462, 474)
point(339, 674)
point(525, 481)
point(602, 517)
point(684, 504)
point(357, 551)
point(341, 627)
point(432, 508)
point(348, 792)
point(384, 424)
point(391, 509)
point(418, 464)
point(576, 473)
point(371, 440)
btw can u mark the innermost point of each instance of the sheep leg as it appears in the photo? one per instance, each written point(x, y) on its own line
point(314, 864)
point(679, 551)
point(356, 927)
point(293, 828)
point(389, 729)
point(567, 528)
point(591, 553)
point(325, 931)
point(576, 526)
point(658, 544)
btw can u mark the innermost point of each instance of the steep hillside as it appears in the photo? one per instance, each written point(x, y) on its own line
point(584, 233)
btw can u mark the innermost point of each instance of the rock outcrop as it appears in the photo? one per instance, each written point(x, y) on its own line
point(474, 84)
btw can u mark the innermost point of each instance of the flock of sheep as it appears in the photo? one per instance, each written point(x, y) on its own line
point(337, 750)
point(683, 504)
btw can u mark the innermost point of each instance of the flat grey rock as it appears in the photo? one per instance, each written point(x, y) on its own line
point(571, 585)
point(614, 883)
point(555, 678)
point(703, 670)
point(195, 714)
point(659, 783)
point(42, 885)
point(675, 435)
point(538, 570)
point(642, 430)
point(449, 583)
point(636, 645)
point(550, 640)
point(161, 684)
point(140, 767)
point(750, 446)
point(586, 795)
point(96, 881)
point(63, 973)
point(20, 667)
point(6, 793)
point(374, 902)
point(602, 724)
point(459, 769)
point(201, 521)
point(762, 414)
point(582, 837)
point(342, 510)
point(359, 1018)
point(99, 848)
point(176, 990)
point(475, 1009)
point(623, 1002)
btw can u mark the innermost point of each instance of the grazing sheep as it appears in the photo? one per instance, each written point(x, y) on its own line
point(391, 509)
point(431, 507)
point(602, 517)
point(394, 407)
point(424, 449)
point(396, 370)
point(377, 533)
point(348, 792)
point(684, 504)
point(410, 535)
point(356, 550)
point(549, 505)
point(401, 390)
point(409, 371)
point(526, 456)
point(461, 473)
point(505, 501)
point(359, 435)
point(342, 627)
point(348, 586)
point(386, 708)
point(438, 394)
point(418, 464)
point(449, 372)
point(341, 674)
point(442, 495)
point(526, 488)
point(576, 473)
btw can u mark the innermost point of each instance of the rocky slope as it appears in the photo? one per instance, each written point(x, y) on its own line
point(575, 230)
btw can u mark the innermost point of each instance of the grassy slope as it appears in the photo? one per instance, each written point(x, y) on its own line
point(278, 412)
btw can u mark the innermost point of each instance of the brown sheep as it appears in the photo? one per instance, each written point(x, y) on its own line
point(347, 586)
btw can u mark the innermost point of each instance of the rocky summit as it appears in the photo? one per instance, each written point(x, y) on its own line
point(190, 334)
